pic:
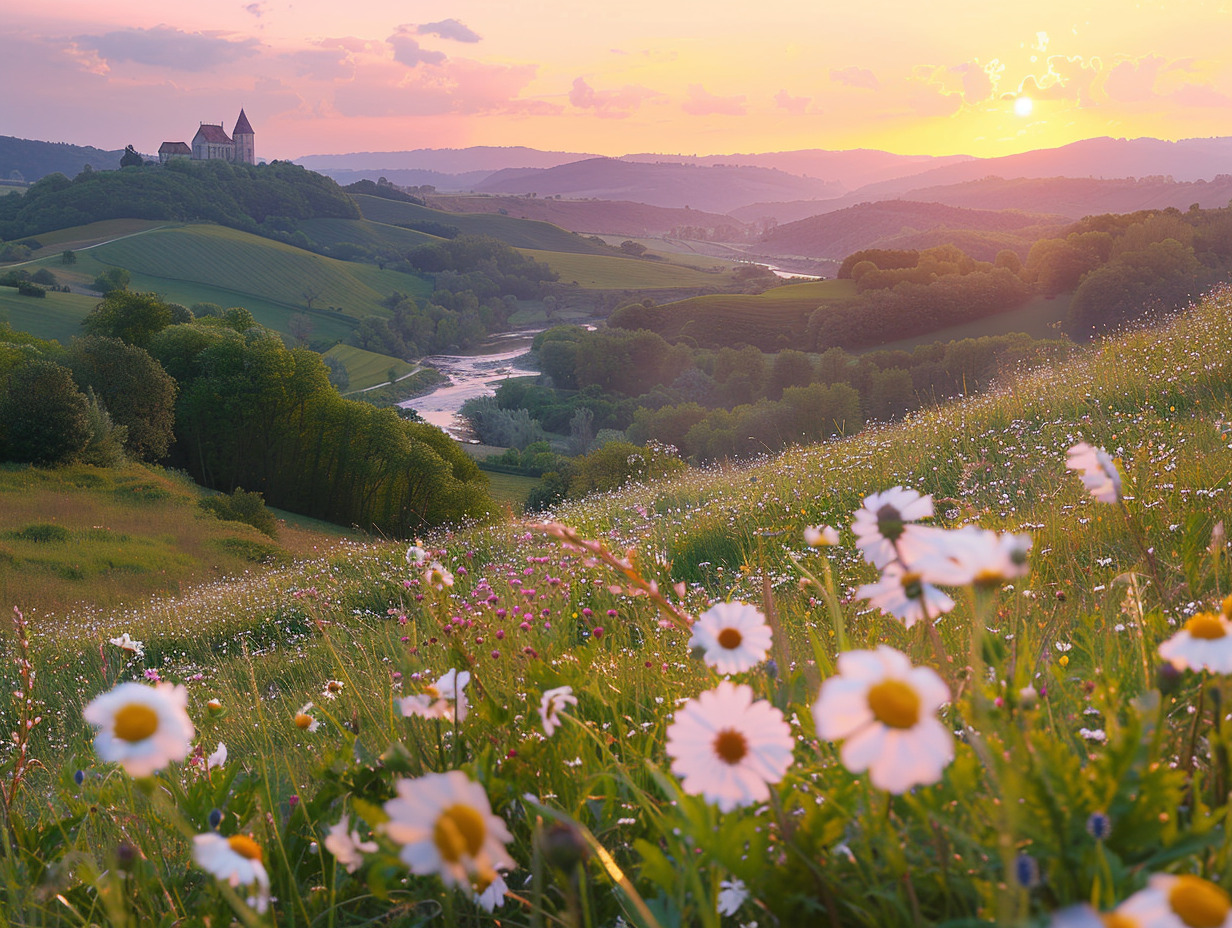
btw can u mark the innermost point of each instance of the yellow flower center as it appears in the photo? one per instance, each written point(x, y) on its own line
point(913, 585)
point(135, 722)
point(303, 720)
point(894, 703)
point(432, 691)
point(1226, 606)
point(730, 639)
point(1113, 920)
point(1206, 626)
point(245, 847)
point(988, 577)
point(1199, 903)
point(333, 686)
point(459, 832)
point(731, 746)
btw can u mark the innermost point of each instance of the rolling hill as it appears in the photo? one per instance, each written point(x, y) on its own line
point(31, 159)
point(899, 223)
point(716, 188)
point(608, 217)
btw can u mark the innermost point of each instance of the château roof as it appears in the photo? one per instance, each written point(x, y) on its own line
point(174, 148)
point(211, 133)
point(241, 125)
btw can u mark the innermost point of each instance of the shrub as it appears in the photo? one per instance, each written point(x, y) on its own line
point(243, 506)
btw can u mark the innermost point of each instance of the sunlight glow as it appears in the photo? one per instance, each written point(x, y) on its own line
point(1023, 106)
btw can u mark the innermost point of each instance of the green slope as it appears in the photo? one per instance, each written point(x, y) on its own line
point(520, 233)
point(57, 315)
point(367, 368)
point(363, 232)
point(612, 272)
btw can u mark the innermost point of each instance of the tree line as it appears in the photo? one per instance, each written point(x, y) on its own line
point(231, 404)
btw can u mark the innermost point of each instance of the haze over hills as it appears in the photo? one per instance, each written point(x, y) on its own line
point(489, 158)
point(612, 217)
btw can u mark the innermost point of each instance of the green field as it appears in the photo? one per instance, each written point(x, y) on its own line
point(94, 233)
point(510, 488)
point(612, 272)
point(774, 319)
point(205, 263)
point(1039, 318)
point(364, 232)
point(520, 233)
point(56, 316)
point(367, 368)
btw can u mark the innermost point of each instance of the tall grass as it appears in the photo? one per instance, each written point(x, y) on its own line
point(1063, 708)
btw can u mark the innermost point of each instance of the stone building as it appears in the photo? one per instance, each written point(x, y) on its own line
point(211, 143)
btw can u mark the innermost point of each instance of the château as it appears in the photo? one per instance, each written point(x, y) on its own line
point(211, 143)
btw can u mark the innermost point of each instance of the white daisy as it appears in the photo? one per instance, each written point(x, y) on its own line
point(882, 708)
point(1203, 643)
point(1177, 902)
point(445, 825)
point(304, 721)
point(728, 748)
point(551, 704)
point(346, 846)
point(884, 526)
point(732, 894)
point(443, 699)
point(734, 636)
point(332, 689)
point(903, 594)
point(237, 860)
point(820, 536)
point(218, 758)
point(142, 728)
point(437, 576)
point(131, 645)
point(1098, 471)
point(972, 556)
point(416, 556)
point(493, 895)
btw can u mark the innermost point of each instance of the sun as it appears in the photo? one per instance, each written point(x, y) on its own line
point(1023, 106)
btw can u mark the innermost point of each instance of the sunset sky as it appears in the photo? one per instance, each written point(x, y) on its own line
point(618, 76)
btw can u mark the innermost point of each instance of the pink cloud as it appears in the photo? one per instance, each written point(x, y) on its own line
point(855, 77)
point(459, 86)
point(610, 104)
point(165, 47)
point(797, 106)
point(1200, 95)
point(1133, 81)
point(449, 29)
point(407, 51)
point(976, 84)
point(703, 103)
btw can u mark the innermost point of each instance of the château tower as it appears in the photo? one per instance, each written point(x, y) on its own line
point(245, 141)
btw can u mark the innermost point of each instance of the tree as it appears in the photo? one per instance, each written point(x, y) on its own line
point(630, 247)
point(134, 389)
point(44, 418)
point(301, 327)
point(116, 278)
point(131, 317)
point(311, 293)
point(131, 158)
point(68, 256)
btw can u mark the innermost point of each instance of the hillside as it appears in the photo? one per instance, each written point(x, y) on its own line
point(85, 539)
point(838, 234)
point(608, 217)
point(520, 233)
point(717, 188)
point(1077, 751)
point(31, 160)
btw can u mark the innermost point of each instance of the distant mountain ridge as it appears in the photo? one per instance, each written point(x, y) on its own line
point(29, 159)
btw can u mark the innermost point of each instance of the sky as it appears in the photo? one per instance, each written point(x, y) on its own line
point(614, 77)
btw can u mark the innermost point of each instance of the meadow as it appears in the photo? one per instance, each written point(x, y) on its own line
point(529, 724)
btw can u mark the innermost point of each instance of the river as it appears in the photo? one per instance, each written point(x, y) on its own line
point(477, 374)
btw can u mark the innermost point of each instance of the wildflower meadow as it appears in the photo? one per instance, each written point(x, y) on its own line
point(969, 669)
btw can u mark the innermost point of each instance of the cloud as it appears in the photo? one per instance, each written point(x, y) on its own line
point(976, 82)
point(703, 103)
point(1200, 95)
point(1133, 80)
point(797, 106)
point(610, 104)
point(408, 52)
point(449, 29)
point(165, 47)
point(458, 86)
point(855, 77)
point(331, 60)
point(256, 9)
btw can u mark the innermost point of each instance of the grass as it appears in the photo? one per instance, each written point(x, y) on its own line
point(56, 316)
point(520, 233)
point(610, 272)
point(83, 537)
point(367, 368)
point(1051, 679)
point(510, 489)
point(1041, 317)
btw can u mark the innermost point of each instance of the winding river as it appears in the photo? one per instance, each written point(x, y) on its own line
point(476, 374)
